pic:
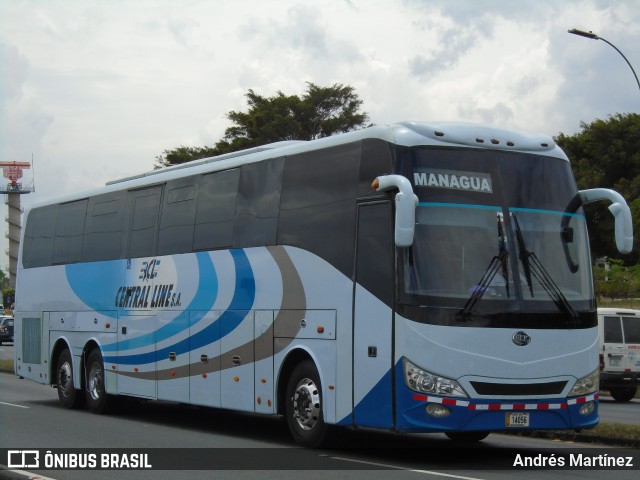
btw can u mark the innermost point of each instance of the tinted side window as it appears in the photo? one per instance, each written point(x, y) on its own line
point(374, 262)
point(258, 203)
point(631, 329)
point(178, 217)
point(67, 246)
point(318, 207)
point(612, 330)
point(104, 228)
point(215, 210)
point(377, 158)
point(39, 233)
point(143, 208)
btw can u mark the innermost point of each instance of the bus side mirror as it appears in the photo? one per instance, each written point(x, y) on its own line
point(620, 211)
point(406, 203)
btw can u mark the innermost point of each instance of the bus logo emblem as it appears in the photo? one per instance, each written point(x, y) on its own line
point(521, 339)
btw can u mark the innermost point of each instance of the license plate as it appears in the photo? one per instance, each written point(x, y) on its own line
point(517, 419)
point(615, 361)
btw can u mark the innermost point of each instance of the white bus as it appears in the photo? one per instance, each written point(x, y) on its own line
point(413, 277)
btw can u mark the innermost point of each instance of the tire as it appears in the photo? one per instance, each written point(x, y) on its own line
point(304, 410)
point(69, 396)
point(623, 394)
point(96, 396)
point(467, 437)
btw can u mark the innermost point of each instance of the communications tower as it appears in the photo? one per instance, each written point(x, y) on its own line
point(13, 172)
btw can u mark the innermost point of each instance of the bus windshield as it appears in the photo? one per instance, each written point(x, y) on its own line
point(494, 233)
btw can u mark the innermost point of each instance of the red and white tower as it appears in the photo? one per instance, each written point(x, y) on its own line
point(13, 190)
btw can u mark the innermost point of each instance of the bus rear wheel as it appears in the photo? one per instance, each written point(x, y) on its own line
point(69, 396)
point(304, 407)
point(97, 399)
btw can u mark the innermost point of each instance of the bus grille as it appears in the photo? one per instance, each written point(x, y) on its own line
point(31, 340)
point(519, 389)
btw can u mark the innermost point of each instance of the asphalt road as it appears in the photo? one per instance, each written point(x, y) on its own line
point(259, 447)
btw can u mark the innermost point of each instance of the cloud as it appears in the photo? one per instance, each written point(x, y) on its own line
point(14, 71)
point(454, 44)
point(23, 120)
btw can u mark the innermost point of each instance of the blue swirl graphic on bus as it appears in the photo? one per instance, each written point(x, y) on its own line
point(204, 299)
point(238, 309)
point(94, 283)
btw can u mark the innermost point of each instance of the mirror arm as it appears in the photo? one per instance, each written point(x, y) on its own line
point(406, 202)
point(620, 211)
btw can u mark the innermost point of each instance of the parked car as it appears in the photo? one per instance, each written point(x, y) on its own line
point(6, 329)
point(619, 333)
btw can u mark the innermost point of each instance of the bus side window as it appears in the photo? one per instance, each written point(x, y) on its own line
point(215, 210)
point(143, 208)
point(67, 245)
point(178, 217)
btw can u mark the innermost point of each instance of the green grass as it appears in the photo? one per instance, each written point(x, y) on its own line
point(619, 303)
point(6, 365)
point(616, 430)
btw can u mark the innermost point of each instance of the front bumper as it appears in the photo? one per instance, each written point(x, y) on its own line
point(469, 414)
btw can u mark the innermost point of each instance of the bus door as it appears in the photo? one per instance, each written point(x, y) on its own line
point(373, 317)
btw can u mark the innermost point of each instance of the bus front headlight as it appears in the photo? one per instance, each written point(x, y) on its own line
point(586, 385)
point(421, 381)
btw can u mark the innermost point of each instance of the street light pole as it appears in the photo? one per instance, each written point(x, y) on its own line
point(593, 36)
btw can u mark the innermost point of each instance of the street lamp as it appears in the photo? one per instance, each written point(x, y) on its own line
point(593, 36)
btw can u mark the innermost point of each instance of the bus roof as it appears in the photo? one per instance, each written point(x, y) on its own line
point(452, 134)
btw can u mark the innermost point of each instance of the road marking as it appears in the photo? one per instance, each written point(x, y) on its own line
point(13, 405)
point(397, 467)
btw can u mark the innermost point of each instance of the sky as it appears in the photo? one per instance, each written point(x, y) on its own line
point(94, 90)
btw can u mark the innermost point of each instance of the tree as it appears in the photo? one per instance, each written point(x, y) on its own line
point(320, 112)
point(616, 281)
point(606, 153)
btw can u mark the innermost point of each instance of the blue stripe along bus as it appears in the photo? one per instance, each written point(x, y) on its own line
point(413, 277)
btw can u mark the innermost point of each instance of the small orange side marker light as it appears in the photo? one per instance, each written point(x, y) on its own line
point(173, 374)
point(264, 380)
point(376, 184)
point(259, 400)
point(135, 369)
point(320, 329)
point(236, 378)
point(204, 375)
point(269, 402)
point(331, 387)
point(107, 325)
point(113, 367)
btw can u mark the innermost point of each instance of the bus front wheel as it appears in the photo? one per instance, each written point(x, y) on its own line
point(304, 406)
point(69, 396)
point(97, 398)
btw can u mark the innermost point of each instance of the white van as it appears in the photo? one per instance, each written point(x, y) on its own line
point(619, 336)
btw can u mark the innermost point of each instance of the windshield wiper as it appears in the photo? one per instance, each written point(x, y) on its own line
point(499, 262)
point(531, 265)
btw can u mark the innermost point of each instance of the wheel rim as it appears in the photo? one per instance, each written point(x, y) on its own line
point(94, 381)
point(65, 379)
point(306, 404)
